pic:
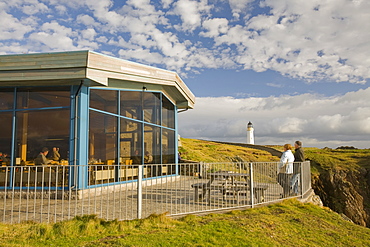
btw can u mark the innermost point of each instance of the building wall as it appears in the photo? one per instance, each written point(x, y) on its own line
point(95, 126)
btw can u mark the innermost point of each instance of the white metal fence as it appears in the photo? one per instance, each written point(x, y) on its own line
point(55, 193)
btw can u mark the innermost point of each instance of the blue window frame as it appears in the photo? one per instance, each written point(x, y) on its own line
point(33, 118)
point(143, 131)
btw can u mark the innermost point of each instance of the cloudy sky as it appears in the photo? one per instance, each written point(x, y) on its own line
point(297, 69)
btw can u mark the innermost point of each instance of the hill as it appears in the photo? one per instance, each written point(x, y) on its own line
point(338, 176)
point(341, 176)
point(289, 223)
point(210, 151)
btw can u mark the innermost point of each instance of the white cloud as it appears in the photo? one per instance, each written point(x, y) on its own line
point(88, 34)
point(239, 6)
point(11, 27)
point(13, 47)
point(141, 55)
point(166, 3)
point(324, 38)
point(54, 36)
point(86, 20)
point(32, 7)
point(311, 40)
point(316, 120)
point(61, 9)
point(191, 12)
point(274, 85)
point(86, 45)
point(215, 27)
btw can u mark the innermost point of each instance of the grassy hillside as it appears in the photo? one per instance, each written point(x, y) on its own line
point(339, 176)
point(321, 159)
point(290, 223)
point(346, 159)
point(207, 151)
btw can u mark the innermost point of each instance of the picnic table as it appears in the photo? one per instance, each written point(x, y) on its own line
point(228, 183)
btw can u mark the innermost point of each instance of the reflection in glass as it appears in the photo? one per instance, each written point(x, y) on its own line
point(38, 129)
point(42, 97)
point(152, 108)
point(168, 113)
point(104, 100)
point(5, 137)
point(141, 138)
point(168, 146)
point(152, 143)
point(168, 150)
point(131, 104)
point(6, 99)
point(102, 138)
point(152, 149)
point(130, 142)
point(130, 149)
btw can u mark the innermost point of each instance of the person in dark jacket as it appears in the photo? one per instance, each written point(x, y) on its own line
point(41, 158)
point(298, 157)
point(299, 153)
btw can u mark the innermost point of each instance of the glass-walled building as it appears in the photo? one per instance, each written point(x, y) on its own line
point(95, 111)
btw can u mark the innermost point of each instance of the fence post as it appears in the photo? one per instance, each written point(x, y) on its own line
point(139, 191)
point(301, 178)
point(251, 184)
point(200, 170)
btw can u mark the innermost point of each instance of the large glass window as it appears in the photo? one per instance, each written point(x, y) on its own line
point(6, 99)
point(39, 122)
point(131, 104)
point(36, 130)
point(141, 138)
point(102, 138)
point(168, 113)
point(5, 137)
point(152, 108)
point(131, 142)
point(40, 98)
point(152, 144)
point(105, 100)
point(168, 150)
point(168, 146)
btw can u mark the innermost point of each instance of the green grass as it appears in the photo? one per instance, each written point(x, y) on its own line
point(208, 151)
point(340, 159)
point(289, 223)
point(321, 159)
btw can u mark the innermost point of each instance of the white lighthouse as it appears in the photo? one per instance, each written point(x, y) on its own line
point(250, 135)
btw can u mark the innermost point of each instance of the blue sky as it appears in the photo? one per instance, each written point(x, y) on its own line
point(241, 84)
point(299, 70)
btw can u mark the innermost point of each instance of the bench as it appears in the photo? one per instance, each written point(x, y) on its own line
point(237, 189)
point(205, 187)
point(109, 175)
point(243, 190)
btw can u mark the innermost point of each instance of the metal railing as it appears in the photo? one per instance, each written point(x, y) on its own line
point(56, 193)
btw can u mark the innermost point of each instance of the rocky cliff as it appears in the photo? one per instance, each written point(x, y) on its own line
point(339, 178)
point(346, 192)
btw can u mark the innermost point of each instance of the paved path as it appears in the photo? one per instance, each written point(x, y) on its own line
point(173, 195)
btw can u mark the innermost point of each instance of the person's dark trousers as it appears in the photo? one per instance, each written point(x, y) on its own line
point(284, 181)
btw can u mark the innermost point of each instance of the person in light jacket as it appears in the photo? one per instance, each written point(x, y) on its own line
point(56, 155)
point(285, 168)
